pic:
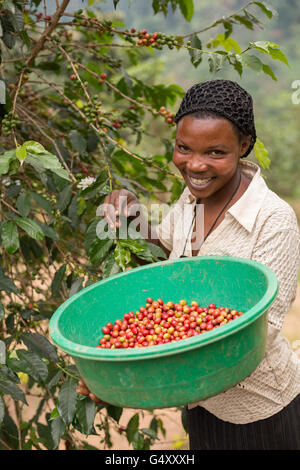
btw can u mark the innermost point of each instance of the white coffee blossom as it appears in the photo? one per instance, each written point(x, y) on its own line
point(86, 182)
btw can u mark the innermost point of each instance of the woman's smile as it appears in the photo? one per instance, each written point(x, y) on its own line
point(198, 182)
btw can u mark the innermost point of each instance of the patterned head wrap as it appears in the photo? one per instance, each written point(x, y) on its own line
point(225, 98)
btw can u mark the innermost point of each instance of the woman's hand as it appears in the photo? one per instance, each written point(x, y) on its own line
point(120, 203)
point(83, 389)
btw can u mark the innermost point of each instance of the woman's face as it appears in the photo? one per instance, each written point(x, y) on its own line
point(207, 153)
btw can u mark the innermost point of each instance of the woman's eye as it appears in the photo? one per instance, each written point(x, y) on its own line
point(183, 148)
point(217, 153)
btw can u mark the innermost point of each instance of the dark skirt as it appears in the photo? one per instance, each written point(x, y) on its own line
point(279, 432)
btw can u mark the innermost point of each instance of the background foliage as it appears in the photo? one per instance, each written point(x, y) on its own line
point(90, 102)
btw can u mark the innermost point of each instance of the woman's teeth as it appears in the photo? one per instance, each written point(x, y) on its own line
point(200, 182)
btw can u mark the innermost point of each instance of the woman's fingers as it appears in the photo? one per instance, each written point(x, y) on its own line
point(116, 205)
point(83, 390)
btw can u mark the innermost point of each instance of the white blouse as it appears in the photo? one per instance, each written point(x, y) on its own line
point(263, 227)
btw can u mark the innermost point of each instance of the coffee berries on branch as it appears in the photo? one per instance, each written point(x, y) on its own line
point(10, 122)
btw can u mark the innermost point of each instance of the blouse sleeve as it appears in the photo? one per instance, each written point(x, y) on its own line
point(280, 251)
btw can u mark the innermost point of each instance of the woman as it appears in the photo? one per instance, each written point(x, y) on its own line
point(242, 217)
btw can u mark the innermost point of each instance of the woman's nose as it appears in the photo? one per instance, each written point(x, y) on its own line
point(197, 163)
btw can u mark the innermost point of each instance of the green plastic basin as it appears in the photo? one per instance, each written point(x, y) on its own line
point(178, 373)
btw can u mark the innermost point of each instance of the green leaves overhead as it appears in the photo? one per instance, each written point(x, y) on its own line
point(195, 50)
point(271, 49)
point(267, 9)
point(34, 154)
point(187, 9)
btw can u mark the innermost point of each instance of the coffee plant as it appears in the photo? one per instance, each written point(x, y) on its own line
point(76, 123)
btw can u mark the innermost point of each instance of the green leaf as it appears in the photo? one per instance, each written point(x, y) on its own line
point(187, 9)
point(21, 153)
point(85, 412)
point(157, 251)
point(57, 280)
point(268, 71)
point(277, 54)
point(45, 435)
point(262, 46)
point(12, 191)
point(42, 202)
point(76, 286)
point(90, 234)
point(267, 9)
point(228, 28)
point(235, 60)
point(7, 374)
point(5, 160)
point(30, 363)
point(268, 47)
point(99, 250)
point(7, 284)
point(109, 266)
point(23, 204)
point(243, 20)
point(138, 441)
point(64, 198)
point(78, 142)
point(48, 231)
point(195, 52)
point(54, 414)
point(10, 237)
point(149, 432)
point(132, 427)
point(133, 245)
point(67, 400)
point(73, 211)
point(34, 147)
point(252, 62)
point(41, 345)
point(114, 412)
point(57, 430)
point(229, 43)
point(8, 39)
point(46, 161)
point(261, 154)
point(31, 227)
point(184, 418)
point(122, 256)
point(176, 190)
point(10, 388)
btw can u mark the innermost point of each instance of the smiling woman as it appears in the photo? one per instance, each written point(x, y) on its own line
point(241, 217)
